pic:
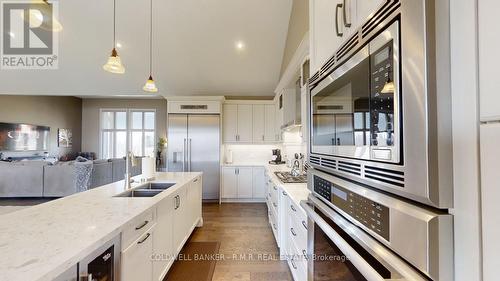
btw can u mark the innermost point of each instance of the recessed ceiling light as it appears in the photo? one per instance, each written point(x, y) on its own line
point(240, 45)
point(118, 45)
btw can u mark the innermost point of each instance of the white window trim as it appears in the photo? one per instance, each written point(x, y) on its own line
point(128, 129)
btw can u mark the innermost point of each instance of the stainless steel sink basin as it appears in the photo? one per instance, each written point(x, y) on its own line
point(140, 193)
point(158, 185)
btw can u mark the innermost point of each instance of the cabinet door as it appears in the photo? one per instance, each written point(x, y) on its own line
point(490, 192)
point(269, 123)
point(162, 239)
point(245, 179)
point(258, 123)
point(180, 226)
point(230, 122)
point(245, 123)
point(258, 184)
point(489, 60)
point(229, 182)
point(279, 117)
point(324, 40)
point(364, 9)
point(196, 198)
point(136, 259)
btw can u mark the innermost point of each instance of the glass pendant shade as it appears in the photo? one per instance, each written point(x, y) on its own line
point(150, 85)
point(114, 64)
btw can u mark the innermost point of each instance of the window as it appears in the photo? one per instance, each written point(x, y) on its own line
point(132, 128)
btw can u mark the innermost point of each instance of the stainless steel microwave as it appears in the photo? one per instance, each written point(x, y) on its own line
point(380, 107)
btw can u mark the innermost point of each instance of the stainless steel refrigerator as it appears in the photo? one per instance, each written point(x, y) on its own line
point(194, 146)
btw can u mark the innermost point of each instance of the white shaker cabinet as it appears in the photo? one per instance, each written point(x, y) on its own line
point(230, 123)
point(489, 40)
point(270, 123)
point(490, 194)
point(162, 240)
point(245, 181)
point(259, 123)
point(237, 123)
point(229, 182)
point(180, 218)
point(364, 8)
point(259, 184)
point(136, 261)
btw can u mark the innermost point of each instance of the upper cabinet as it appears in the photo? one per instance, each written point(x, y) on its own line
point(249, 123)
point(488, 60)
point(331, 22)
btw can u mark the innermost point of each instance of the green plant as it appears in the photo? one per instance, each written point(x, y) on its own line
point(162, 143)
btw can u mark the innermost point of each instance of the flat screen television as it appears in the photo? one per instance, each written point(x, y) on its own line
point(23, 137)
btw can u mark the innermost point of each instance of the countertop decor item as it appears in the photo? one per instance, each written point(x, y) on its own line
point(64, 138)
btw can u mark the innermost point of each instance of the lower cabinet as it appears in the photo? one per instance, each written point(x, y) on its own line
point(136, 261)
point(243, 182)
point(151, 242)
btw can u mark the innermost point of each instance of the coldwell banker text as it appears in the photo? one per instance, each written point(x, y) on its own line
point(30, 37)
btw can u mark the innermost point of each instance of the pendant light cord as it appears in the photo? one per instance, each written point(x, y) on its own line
point(151, 39)
point(114, 24)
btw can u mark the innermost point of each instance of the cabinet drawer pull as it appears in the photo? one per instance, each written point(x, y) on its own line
point(195, 180)
point(145, 238)
point(293, 264)
point(284, 193)
point(142, 225)
point(274, 187)
point(304, 224)
point(304, 252)
point(293, 232)
point(293, 208)
point(274, 226)
point(275, 205)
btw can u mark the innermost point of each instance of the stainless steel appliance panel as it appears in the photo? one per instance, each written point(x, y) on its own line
point(422, 237)
point(204, 151)
point(194, 146)
point(409, 151)
point(177, 142)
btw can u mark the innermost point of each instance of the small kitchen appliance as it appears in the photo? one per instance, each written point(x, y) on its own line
point(276, 158)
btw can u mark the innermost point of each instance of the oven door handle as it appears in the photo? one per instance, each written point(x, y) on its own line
point(394, 263)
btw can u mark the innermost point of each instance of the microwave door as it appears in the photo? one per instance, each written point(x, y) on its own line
point(343, 252)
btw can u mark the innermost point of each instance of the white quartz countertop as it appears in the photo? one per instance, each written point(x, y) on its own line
point(240, 164)
point(43, 241)
point(296, 191)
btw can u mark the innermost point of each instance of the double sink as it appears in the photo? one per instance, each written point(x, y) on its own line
point(148, 190)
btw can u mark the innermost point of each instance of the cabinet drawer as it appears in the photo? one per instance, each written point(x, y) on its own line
point(297, 263)
point(298, 235)
point(136, 228)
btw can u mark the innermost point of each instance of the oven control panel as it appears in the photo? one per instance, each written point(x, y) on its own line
point(371, 214)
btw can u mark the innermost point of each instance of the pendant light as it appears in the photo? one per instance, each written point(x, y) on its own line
point(150, 85)
point(36, 17)
point(114, 64)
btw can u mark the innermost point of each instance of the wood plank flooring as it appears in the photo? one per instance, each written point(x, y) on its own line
point(247, 246)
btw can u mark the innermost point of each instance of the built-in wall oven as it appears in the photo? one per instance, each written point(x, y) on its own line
point(355, 233)
point(380, 107)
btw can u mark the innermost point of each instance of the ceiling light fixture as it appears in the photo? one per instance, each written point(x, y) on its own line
point(240, 45)
point(114, 63)
point(150, 85)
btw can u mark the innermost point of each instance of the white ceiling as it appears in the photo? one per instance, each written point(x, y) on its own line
point(194, 49)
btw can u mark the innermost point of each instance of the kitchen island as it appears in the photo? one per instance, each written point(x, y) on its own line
point(44, 241)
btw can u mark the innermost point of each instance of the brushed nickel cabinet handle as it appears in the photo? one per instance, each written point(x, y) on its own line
point(346, 24)
point(293, 264)
point(293, 208)
point(304, 252)
point(293, 232)
point(339, 6)
point(145, 238)
point(304, 224)
point(142, 225)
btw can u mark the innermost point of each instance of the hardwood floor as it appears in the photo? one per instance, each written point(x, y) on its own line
point(247, 246)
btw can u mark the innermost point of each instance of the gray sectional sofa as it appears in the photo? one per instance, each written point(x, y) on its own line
point(42, 179)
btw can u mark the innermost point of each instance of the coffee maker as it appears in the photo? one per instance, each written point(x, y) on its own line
point(276, 158)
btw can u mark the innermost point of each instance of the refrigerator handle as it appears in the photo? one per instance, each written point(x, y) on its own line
point(184, 156)
point(189, 163)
